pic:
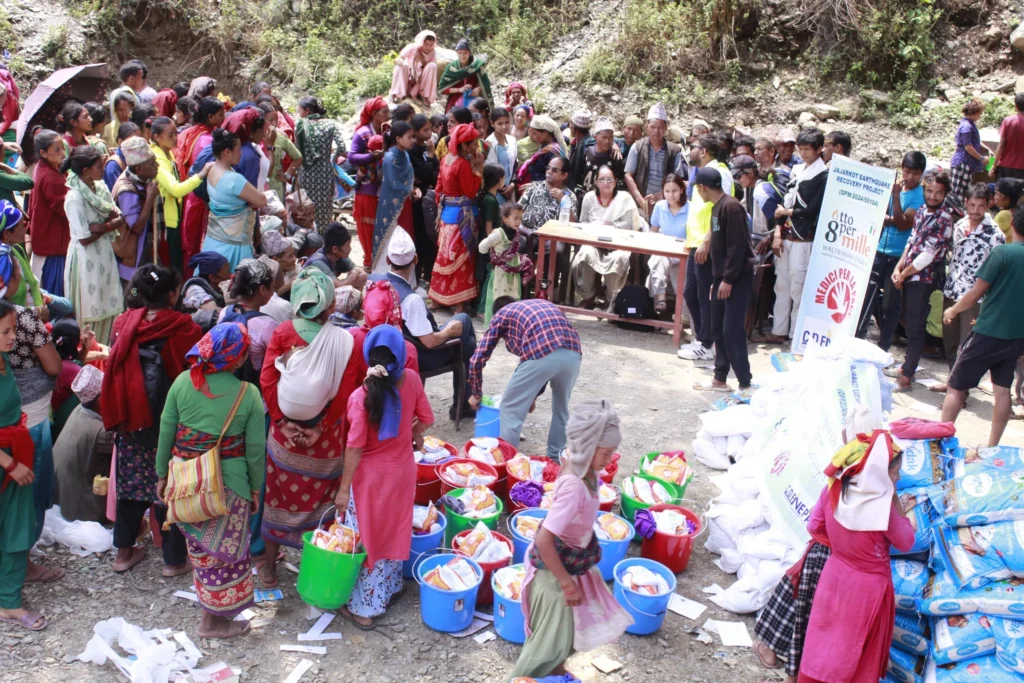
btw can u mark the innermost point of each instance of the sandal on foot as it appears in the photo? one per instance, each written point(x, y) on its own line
point(169, 572)
point(348, 616)
point(708, 386)
point(49, 576)
point(28, 620)
point(267, 585)
point(138, 555)
point(759, 651)
point(236, 628)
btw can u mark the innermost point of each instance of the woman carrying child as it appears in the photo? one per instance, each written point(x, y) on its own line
point(511, 270)
point(565, 603)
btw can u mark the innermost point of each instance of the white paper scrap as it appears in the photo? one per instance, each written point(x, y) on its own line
point(690, 609)
point(321, 624)
point(485, 637)
point(484, 616)
point(474, 626)
point(713, 589)
point(305, 637)
point(291, 567)
point(246, 615)
point(308, 649)
point(312, 612)
point(187, 644)
point(927, 382)
point(732, 633)
point(185, 595)
point(605, 665)
point(300, 669)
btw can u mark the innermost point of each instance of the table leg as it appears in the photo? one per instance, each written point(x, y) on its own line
point(539, 275)
point(552, 269)
point(677, 328)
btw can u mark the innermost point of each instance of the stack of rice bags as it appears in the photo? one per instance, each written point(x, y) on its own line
point(960, 603)
point(456, 575)
point(483, 546)
point(479, 502)
point(670, 467)
point(609, 527)
point(646, 491)
point(508, 581)
point(485, 449)
point(434, 451)
point(466, 474)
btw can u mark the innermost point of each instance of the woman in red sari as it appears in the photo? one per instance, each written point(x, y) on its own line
point(191, 142)
point(305, 455)
point(453, 282)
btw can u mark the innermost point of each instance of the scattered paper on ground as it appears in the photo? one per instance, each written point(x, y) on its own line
point(690, 609)
point(308, 649)
point(928, 382)
point(300, 669)
point(474, 626)
point(605, 665)
point(732, 633)
point(185, 595)
point(485, 617)
point(713, 589)
point(485, 637)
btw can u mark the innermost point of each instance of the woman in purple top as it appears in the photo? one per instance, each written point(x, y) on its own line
point(970, 156)
point(366, 158)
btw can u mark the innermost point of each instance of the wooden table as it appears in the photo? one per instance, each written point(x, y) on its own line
point(580, 234)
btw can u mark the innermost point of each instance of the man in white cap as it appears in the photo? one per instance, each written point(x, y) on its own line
point(418, 324)
point(785, 143)
point(82, 452)
point(650, 160)
point(600, 151)
point(579, 139)
point(135, 193)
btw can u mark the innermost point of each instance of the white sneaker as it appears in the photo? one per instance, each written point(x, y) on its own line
point(689, 345)
point(700, 352)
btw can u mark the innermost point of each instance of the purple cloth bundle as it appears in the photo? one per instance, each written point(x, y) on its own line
point(527, 493)
point(644, 523)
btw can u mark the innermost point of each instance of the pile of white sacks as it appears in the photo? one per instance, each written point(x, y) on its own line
point(798, 413)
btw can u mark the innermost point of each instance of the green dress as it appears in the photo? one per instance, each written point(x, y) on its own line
point(17, 511)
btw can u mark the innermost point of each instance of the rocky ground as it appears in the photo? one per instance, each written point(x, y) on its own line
point(651, 389)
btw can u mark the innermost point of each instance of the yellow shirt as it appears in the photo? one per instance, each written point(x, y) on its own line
point(698, 221)
point(171, 189)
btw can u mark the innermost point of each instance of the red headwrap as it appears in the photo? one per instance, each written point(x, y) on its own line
point(165, 102)
point(240, 122)
point(375, 143)
point(463, 132)
point(381, 305)
point(369, 108)
point(511, 87)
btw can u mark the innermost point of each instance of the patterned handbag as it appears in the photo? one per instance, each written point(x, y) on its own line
point(195, 488)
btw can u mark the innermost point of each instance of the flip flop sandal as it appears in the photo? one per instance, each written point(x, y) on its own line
point(764, 663)
point(263, 582)
point(171, 572)
point(138, 555)
point(27, 621)
point(707, 386)
point(348, 616)
point(49, 576)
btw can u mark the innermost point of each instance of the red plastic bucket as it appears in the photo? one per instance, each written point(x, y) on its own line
point(609, 472)
point(486, 594)
point(608, 507)
point(450, 485)
point(669, 549)
point(428, 483)
point(501, 486)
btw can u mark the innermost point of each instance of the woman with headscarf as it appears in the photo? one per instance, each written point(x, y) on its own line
point(371, 124)
point(233, 202)
point(91, 275)
point(203, 291)
point(146, 356)
point(387, 415)
point(381, 306)
point(307, 417)
point(396, 189)
point(861, 518)
point(565, 601)
point(122, 101)
point(319, 142)
point(453, 282)
point(464, 78)
point(248, 124)
point(195, 212)
point(166, 102)
point(252, 287)
point(545, 133)
point(201, 87)
point(203, 406)
point(516, 96)
point(415, 73)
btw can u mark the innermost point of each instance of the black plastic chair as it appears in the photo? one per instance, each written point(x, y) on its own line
point(455, 366)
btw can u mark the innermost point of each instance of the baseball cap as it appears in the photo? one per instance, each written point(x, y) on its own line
point(743, 163)
point(708, 177)
point(787, 135)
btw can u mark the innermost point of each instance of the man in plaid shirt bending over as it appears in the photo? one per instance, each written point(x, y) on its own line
point(549, 351)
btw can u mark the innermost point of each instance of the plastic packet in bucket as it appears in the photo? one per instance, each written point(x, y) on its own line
point(670, 466)
point(338, 538)
point(924, 463)
point(457, 575)
point(981, 498)
point(974, 460)
point(911, 633)
point(962, 636)
point(483, 546)
point(434, 451)
point(978, 555)
point(673, 522)
point(607, 494)
point(466, 474)
point(527, 527)
point(530, 469)
point(608, 527)
point(508, 582)
point(642, 580)
point(646, 491)
point(485, 449)
point(909, 579)
point(905, 667)
point(425, 519)
point(479, 502)
point(922, 518)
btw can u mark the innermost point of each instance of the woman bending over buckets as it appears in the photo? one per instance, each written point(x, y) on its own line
point(565, 603)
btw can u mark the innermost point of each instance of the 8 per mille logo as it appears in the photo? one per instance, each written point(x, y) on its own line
point(837, 291)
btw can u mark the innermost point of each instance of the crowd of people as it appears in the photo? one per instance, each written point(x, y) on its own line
point(181, 246)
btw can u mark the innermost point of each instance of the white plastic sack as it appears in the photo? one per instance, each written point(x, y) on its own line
point(155, 657)
point(752, 592)
point(738, 419)
point(734, 443)
point(311, 376)
point(708, 455)
point(81, 538)
point(736, 519)
point(718, 540)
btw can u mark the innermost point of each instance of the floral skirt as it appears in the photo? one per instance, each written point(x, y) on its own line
point(454, 278)
point(219, 550)
point(136, 469)
point(377, 585)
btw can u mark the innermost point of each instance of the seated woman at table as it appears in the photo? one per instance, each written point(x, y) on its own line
point(668, 218)
point(604, 206)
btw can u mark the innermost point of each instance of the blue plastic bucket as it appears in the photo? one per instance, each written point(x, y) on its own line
point(424, 545)
point(648, 611)
point(509, 621)
point(488, 422)
point(446, 611)
point(521, 543)
point(613, 552)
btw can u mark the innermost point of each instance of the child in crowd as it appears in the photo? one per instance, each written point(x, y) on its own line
point(1007, 195)
point(565, 602)
point(490, 218)
point(437, 122)
point(511, 269)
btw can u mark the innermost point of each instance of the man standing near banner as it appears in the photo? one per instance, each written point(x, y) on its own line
point(916, 273)
point(732, 271)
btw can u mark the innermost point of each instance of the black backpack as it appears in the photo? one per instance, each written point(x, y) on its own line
point(634, 301)
point(157, 384)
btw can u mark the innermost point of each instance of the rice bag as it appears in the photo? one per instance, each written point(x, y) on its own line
point(485, 449)
point(508, 582)
point(610, 527)
point(456, 575)
point(922, 518)
point(607, 494)
point(527, 526)
point(519, 467)
point(646, 491)
point(483, 546)
point(669, 466)
point(424, 518)
point(672, 522)
point(1009, 635)
point(479, 501)
point(434, 451)
point(977, 670)
point(982, 498)
point(909, 579)
point(337, 538)
point(905, 667)
point(643, 580)
point(999, 598)
point(974, 460)
point(467, 474)
point(911, 633)
point(548, 498)
point(961, 636)
point(975, 556)
point(924, 463)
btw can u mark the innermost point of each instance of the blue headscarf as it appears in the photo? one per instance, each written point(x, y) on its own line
point(207, 262)
point(7, 267)
point(10, 215)
point(391, 416)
